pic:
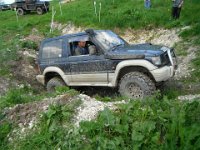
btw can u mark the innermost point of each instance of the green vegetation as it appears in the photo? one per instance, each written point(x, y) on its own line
point(5, 128)
point(25, 94)
point(192, 36)
point(52, 130)
point(153, 125)
point(16, 96)
point(29, 45)
point(150, 124)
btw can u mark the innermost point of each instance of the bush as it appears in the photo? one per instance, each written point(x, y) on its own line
point(29, 45)
point(154, 124)
point(5, 128)
point(151, 124)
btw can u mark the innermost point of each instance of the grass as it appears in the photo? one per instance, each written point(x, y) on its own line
point(52, 130)
point(151, 124)
point(129, 13)
point(192, 36)
point(25, 94)
point(5, 129)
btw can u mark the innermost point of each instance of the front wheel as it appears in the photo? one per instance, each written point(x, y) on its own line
point(20, 12)
point(136, 85)
point(53, 83)
point(39, 11)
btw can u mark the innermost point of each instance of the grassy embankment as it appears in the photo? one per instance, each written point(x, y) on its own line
point(169, 125)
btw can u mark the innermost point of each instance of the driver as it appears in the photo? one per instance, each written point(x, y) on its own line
point(81, 49)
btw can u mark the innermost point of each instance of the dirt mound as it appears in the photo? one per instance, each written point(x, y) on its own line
point(5, 84)
point(25, 69)
point(155, 36)
point(25, 115)
point(34, 36)
point(91, 107)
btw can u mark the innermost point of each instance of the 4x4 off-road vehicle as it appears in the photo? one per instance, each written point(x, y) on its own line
point(135, 69)
point(4, 7)
point(25, 6)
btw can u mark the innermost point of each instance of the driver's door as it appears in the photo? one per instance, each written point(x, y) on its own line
point(88, 70)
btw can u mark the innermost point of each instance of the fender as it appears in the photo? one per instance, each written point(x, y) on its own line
point(128, 63)
point(58, 71)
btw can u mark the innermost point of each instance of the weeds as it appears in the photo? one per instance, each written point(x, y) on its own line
point(5, 128)
point(54, 128)
point(29, 45)
point(16, 96)
point(151, 124)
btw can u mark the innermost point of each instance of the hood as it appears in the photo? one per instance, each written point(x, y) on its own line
point(138, 51)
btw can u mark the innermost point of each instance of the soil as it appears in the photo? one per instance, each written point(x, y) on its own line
point(5, 84)
point(155, 36)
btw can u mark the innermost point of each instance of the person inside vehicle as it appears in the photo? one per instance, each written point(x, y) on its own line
point(81, 49)
point(92, 50)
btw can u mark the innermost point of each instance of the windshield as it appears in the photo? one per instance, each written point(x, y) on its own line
point(109, 40)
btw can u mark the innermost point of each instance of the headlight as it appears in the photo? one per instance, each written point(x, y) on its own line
point(156, 60)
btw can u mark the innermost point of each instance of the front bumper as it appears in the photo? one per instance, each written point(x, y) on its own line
point(163, 74)
point(166, 72)
point(41, 79)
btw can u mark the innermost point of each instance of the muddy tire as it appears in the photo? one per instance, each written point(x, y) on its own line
point(39, 11)
point(20, 12)
point(53, 83)
point(136, 85)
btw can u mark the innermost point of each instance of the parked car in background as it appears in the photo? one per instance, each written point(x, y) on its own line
point(25, 6)
point(4, 7)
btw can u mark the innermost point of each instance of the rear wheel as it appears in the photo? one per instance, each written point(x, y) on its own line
point(53, 83)
point(39, 11)
point(136, 85)
point(20, 12)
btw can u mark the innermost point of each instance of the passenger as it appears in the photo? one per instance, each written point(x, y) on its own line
point(92, 50)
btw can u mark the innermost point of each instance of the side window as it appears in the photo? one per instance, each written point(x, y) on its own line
point(52, 49)
point(89, 47)
point(74, 44)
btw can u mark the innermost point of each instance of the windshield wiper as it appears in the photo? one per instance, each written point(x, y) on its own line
point(114, 47)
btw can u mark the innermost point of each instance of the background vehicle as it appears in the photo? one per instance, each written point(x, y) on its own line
point(25, 6)
point(4, 7)
point(135, 69)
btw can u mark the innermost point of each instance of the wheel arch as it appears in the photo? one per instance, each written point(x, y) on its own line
point(128, 69)
point(127, 66)
point(50, 75)
point(51, 72)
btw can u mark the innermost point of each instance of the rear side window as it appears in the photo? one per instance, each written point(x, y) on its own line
point(52, 49)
